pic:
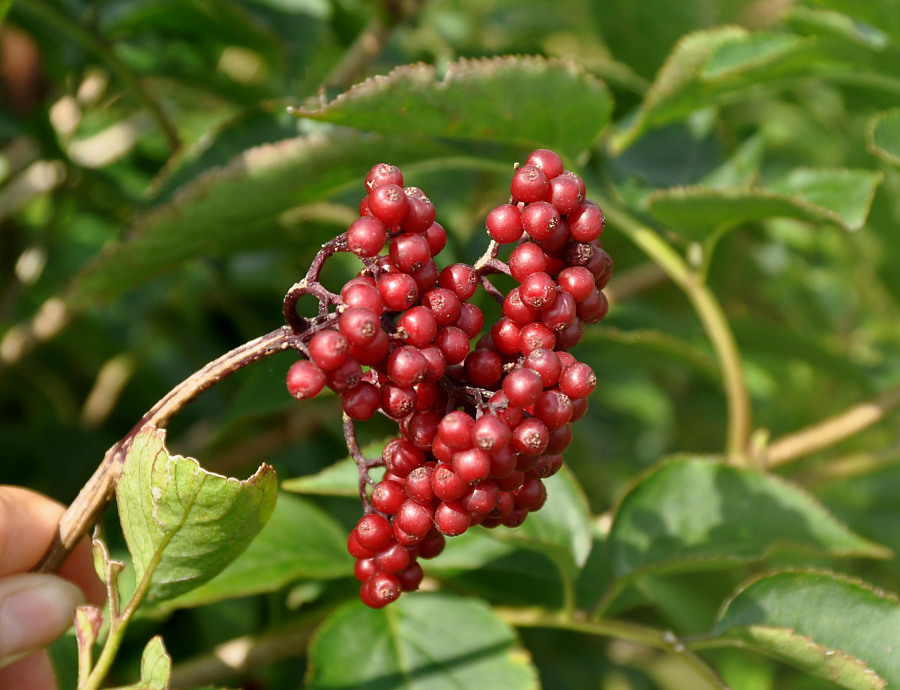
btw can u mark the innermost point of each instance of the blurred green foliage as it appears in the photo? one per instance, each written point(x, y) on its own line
point(157, 199)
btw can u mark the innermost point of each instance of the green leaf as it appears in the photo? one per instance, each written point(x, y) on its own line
point(497, 99)
point(826, 624)
point(237, 206)
point(339, 479)
point(884, 136)
point(300, 540)
point(842, 197)
point(156, 668)
point(728, 64)
point(880, 15)
point(692, 513)
point(183, 525)
point(422, 642)
point(561, 529)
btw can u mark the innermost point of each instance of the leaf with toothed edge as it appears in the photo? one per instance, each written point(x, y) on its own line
point(183, 525)
point(692, 513)
point(826, 624)
point(496, 99)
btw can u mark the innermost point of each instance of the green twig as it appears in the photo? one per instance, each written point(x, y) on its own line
point(49, 15)
point(711, 316)
point(632, 632)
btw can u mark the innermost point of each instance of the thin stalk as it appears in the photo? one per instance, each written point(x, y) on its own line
point(640, 634)
point(824, 434)
point(714, 323)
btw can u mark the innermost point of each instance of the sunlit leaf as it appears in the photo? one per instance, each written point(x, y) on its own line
point(300, 540)
point(423, 641)
point(695, 513)
point(497, 99)
point(823, 623)
point(183, 524)
point(841, 197)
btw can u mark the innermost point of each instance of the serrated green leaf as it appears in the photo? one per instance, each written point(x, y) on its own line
point(156, 668)
point(422, 641)
point(884, 136)
point(183, 525)
point(826, 624)
point(300, 540)
point(722, 65)
point(829, 22)
point(496, 99)
point(741, 168)
point(841, 197)
point(237, 206)
point(694, 513)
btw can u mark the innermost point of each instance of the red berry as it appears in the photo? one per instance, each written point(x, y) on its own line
point(540, 220)
point(387, 496)
point(407, 366)
point(419, 212)
point(505, 336)
point(586, 223)
point(410, 577)
point(444, 304)
point(418, 485)
point(329, 349)
point(538, 291)
point(373, 532)
point(361, 402)
point(472, 464)
point(401, 457)
point(504, 224)
point(534, 336)
point(483, 368)
point(548, 161)
point(399, 291)
point(387, 203)
point(358, 293)
point(490, 433)
point(437, 238)
point(446, 484)
point(531, 495)
point(578, 380)
point(481, 498)
point(565, 194)
point(554, 409)
point(470, 319)
point(413, 519)
point(417, 325)
point(366, 237)
point(578, 281)
point(421, 427)
point(305, 380)
point(523, 386)
point(561, 313)
point(383, 173)
point(530, 437)
point(529, 184)
point(392, 559)
point(359, 325)
point(526, 259)
point(410, 252)
point(453, 344)
point(461, 279)
point(397, 401)
point(452, 518)
point(345, 377)
point(455, 430)
point(546, 364)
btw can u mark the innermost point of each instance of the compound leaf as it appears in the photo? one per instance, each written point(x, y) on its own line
point(497, 99)
point(183, 525)
point(690, 513)
point(427, 641)
point(823, 623)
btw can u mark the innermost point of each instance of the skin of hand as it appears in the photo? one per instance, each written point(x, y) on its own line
point(35, 608)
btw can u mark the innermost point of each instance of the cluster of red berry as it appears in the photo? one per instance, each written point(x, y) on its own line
point(482, 427)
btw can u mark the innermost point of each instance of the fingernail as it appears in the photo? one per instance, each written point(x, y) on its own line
point(37, 613)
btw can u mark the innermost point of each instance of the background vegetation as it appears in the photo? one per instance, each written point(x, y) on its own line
point(157, 199)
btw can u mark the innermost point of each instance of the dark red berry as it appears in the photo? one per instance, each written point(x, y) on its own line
point(383, 173)
point(361, 402)
point(455, 430)
point(483, 368)
point(523, 386)
point(526, 259)
point(359, 325)
point(387, 496)
point(417, 325)
point(504, 224)
point(460, 278)
point(329, 349)
point(548, 161)
point(419, 212)
point(577, 380)
point(305, 380)
point(410, 252)
point(399, 291)
point(529, 184)
point(540, 220)
point(373, 532)
point(387, 203)
point(586, 223)
point(452, 518)
point(366, 237)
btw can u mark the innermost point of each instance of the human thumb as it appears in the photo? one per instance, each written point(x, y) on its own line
point(35, 609)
